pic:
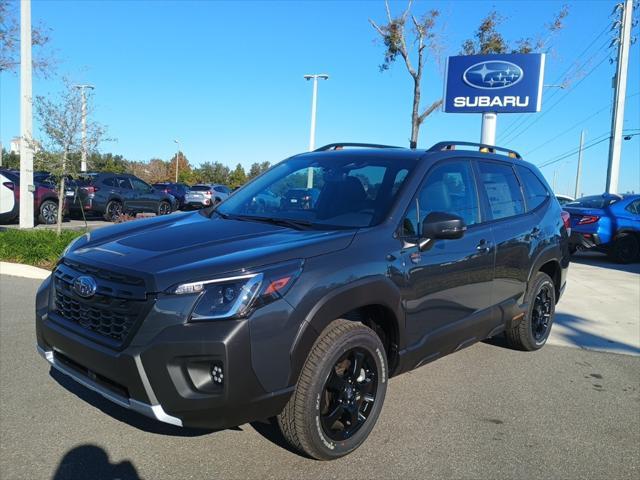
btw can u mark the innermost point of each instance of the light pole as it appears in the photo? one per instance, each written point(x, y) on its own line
point(177, 156)
point(312, 131)
point(82, 88)
point(26, 118)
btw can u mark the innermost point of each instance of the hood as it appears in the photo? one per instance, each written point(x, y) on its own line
point(188, 247)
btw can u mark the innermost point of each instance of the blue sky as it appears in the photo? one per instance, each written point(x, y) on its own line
point(225, 78)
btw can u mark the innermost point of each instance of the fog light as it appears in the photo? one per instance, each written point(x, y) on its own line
point(217, 374)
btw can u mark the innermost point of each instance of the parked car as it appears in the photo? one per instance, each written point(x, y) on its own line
point(564, 199)
point(178, 190)
point(205, 195)
point(265, 201)
point(45, 197)
point(213, 319)
point(609, 223)
point(111, 194)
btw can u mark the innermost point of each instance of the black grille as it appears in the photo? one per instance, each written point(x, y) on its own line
point(104, 317)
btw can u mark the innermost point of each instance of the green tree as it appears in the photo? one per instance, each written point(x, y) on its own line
point(254, 171)
point(185, 173)
point(60, 122)
point(10, 160)
point(487, 39)
point(214, 172)
point(399, 42)
point(238, 177)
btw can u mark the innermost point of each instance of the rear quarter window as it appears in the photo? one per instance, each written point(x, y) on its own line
point(535, 193)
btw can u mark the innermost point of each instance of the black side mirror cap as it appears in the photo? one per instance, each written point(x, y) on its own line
point(442, 225)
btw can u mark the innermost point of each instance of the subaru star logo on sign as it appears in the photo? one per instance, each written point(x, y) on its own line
point(509, 83)
point(85, 286)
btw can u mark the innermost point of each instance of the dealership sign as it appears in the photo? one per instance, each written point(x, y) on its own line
point(506, 83)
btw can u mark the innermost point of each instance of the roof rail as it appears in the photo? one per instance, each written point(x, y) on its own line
point(338, 146)
point(451, 145)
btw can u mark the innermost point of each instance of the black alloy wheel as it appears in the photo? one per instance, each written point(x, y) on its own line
point(541, 313)
point(114, 210)
point(164, 208)
point(349, 394)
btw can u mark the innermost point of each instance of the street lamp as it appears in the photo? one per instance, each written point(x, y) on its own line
point(82, 88)
point(312, 132)
point(177, 154)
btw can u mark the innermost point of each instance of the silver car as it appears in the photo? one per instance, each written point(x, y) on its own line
point(205, 195)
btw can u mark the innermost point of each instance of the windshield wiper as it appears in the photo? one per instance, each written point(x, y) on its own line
point(285, 222)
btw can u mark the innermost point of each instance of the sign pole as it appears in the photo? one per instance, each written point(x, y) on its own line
point(488, 134)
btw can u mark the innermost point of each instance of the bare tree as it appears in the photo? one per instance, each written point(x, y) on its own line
point(43, 60)
point(488, 39)
point(421, 37)
point(61, 125)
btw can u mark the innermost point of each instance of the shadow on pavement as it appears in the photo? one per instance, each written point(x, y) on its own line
point(269, 429)
point(580, 336)
point(91, 461)
point(600, 260)
point(133, 419)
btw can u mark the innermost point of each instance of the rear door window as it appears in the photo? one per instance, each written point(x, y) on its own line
point(535, 193)
point(123, 182)
point(502, 189)
point(110, 182)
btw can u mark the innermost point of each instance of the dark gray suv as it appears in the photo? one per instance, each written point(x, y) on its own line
point(228, 315)
point(112, 194)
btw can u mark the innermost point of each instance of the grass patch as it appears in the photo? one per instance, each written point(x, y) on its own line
point(40, 248)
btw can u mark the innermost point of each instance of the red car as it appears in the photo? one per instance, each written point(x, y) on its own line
point(45, 199)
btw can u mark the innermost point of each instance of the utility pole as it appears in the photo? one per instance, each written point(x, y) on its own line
point(312, 132)
point(555, 177)
point(579, 170)
point(83, 162)
point(177, 158)
point(26, 118)
point(620, 86)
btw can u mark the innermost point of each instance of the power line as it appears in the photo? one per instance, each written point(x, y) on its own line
point(519, 131)
point(566, 72)
point(546, 142)
point(606, 137)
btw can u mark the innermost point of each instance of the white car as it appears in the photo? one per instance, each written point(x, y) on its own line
point(8, 203)
point(205, 195)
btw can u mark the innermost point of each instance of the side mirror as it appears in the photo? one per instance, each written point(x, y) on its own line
point(441, 225)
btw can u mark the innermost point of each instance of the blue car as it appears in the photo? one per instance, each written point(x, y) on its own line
point(609, 223)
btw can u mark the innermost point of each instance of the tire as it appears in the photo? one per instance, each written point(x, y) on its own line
point(625, 248)
point(113, 210)
point(48, 212)
point(533, 330)
point(164, 208)
point(322, 388)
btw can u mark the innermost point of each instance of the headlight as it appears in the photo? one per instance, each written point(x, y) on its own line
point(237, 296)
point(74, 244)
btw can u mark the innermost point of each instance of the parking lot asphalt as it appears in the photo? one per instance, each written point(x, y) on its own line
point(484, 412)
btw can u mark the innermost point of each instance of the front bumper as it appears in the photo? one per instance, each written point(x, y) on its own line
point(152, 411)
point(165, 370)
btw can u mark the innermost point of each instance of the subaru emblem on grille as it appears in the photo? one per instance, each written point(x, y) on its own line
point(85, 286)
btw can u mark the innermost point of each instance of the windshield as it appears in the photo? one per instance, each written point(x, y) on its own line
point(334, 191)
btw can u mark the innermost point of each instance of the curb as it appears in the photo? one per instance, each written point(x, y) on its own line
point(24, 271)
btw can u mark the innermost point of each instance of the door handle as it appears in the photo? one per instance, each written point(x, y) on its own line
point(483, 246)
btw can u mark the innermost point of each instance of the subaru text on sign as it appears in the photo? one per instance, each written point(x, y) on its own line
point(510, 83)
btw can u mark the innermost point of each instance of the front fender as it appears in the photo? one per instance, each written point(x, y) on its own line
point(376, 290)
